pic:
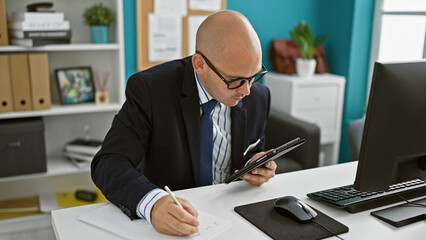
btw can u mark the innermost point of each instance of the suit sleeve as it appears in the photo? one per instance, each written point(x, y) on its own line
point(113, 168)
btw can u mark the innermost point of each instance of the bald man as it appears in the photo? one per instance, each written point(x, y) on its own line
point(156, 139)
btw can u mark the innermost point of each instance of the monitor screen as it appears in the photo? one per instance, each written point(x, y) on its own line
point(393, 147)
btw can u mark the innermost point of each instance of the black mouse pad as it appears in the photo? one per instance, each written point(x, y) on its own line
point(277, 226)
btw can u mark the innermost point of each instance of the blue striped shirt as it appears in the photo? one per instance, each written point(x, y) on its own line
point(221, 116)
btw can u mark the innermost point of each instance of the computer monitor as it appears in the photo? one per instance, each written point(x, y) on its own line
point(393, 147)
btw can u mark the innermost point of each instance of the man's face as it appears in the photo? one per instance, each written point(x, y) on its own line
point(230, 69)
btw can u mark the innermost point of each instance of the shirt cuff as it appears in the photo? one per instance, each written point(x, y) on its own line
point(148, 201)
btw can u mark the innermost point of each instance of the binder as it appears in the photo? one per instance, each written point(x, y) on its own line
point(4, 38)
point(20, 77)
point(39, 81)
point(6, 100)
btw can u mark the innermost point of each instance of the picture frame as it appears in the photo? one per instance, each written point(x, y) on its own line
point(75, 85)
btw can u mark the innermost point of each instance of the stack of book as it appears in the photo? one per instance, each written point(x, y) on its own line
point(19, 207)
point(39, 28)
point(81, 151)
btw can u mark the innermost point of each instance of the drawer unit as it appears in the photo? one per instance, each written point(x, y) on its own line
point(318, 100)
point(308, 97)
point(324, 119)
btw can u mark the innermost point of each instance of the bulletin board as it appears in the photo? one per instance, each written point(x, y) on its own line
point(145, 7)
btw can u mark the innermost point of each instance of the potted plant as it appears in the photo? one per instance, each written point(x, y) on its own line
point(99, 18)
point(304, 38)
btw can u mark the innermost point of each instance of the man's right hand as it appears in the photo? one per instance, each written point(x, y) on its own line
point(168, 218)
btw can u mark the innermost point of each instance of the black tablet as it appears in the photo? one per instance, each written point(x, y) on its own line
point(271, 155)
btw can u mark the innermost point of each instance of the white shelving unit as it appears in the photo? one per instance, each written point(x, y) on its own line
point(65, 122)
point(318, 100)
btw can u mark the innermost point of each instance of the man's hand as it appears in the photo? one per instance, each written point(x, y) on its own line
point(168, 218)
point(260, 175)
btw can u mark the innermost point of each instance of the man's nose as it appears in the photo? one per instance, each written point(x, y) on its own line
point(244, 89)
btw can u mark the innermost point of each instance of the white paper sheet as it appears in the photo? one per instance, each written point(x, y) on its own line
point(205, 5)
point(193, 23)
point(170, 7)
point(165, 37)
point(111, 219)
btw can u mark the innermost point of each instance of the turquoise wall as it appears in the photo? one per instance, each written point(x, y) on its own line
point(347, 49)
point(357, 77)
point(274, 18)
point(349, 25)
point(129, 21)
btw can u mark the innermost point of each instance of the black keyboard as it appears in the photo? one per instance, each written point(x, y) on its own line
point(353, 201)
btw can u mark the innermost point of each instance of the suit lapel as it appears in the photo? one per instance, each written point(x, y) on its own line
point(191, 116)
point(238, 135)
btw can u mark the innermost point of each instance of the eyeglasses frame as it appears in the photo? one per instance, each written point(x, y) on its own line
point(228, 83)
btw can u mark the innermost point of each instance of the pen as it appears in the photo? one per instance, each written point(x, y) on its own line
point(172, 195)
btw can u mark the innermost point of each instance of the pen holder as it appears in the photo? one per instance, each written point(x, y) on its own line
point(101, 97)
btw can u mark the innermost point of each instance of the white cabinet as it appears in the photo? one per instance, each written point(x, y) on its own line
point(317, 100)
point(65, 122)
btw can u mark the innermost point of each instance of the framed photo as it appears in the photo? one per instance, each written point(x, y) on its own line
point(75, 85)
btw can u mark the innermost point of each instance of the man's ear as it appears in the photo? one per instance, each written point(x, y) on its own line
point(198, 64)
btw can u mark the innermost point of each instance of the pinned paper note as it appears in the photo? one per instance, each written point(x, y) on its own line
point(205, 5)
point(193, 23)
point(164, 37)
point(170, 7)
point(111, 219)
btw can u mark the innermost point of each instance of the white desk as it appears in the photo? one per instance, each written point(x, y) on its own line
point(220, 201)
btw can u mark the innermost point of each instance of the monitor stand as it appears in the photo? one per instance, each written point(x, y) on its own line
point(403, 214)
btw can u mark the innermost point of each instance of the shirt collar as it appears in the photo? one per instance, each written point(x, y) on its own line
point(203, 95)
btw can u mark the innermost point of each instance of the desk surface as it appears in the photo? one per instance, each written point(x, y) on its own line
point(221, 199)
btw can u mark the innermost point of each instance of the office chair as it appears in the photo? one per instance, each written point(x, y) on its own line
point(283, 128)
point(355, 130)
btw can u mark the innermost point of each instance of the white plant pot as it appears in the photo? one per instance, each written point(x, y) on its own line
point(305, 67)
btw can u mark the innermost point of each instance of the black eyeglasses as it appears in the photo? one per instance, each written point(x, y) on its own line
point(236, 83)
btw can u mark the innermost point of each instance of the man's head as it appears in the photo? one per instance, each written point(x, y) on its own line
point(228, 41)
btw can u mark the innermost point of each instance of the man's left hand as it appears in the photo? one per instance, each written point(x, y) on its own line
point(260, 175)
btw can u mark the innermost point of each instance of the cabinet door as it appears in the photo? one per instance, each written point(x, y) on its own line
point(326, 120)
point(315, 97)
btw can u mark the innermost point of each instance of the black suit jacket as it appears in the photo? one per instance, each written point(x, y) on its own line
point(158, 131)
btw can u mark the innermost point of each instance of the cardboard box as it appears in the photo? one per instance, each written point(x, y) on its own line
point(22, 146)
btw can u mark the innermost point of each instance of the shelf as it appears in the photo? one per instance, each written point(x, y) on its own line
point(56, 166)
point(62, 48)
point(57, 110)
point(26, 223)
point(65, 122)
point(59, 165)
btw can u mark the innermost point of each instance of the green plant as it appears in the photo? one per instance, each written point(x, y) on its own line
point(98, 14)
point(304, 38)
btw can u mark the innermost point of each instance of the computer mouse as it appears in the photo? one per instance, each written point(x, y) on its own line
point(293, 208)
